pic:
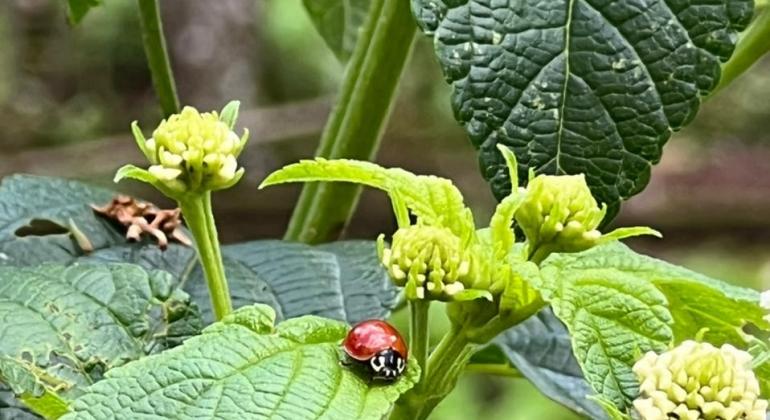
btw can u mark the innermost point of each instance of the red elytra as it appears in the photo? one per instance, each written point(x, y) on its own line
point(367, 338)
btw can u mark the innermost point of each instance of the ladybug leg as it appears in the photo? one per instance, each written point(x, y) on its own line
point(346, 361)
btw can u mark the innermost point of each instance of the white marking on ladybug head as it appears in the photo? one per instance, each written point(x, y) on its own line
point(400, 365)
point(378, 363)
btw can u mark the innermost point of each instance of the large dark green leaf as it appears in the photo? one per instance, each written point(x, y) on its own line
point(246, 367)
point(342, 281)
point(541, 350)
point(73, 323)
point(338, 22)
point(580, 86)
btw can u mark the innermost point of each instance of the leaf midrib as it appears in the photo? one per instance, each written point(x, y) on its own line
point(567, 73)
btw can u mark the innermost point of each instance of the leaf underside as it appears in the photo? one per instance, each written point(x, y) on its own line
point(579, 86)
point(540, 348)
point(244, 368)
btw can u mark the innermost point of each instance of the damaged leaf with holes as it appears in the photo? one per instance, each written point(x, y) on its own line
point(247, 367)
point(68, 325)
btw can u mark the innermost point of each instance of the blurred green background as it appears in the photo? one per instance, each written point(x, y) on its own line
point(68, 94)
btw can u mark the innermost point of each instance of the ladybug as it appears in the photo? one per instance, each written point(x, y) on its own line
point(378, 346)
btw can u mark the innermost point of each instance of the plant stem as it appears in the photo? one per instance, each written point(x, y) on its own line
point(445, 365)
point(200, 220)
point(419, 334)
point(356, 125)
point(157, 56)
point(497, 369)
point(753, 44)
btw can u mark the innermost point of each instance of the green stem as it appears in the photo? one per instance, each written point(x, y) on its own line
point(200, 220)
point(419, 334)
point(753, 44)
point(497, 369)
point(356, 125)
point(157, 56)
point(445, 365)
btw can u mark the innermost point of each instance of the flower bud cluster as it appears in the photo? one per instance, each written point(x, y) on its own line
point(561, 213)
point(698, 381)
point(428, 261)
point(194, 152)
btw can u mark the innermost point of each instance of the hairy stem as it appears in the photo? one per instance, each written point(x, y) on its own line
point(157, 56)
point(753, 44)
point(419, 334)
point(357, 122)
point(444, 367)
point(200, 220)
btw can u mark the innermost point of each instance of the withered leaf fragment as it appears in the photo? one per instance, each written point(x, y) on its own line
point(141, 217)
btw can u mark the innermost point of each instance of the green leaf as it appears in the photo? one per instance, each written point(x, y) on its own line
point(540, 348)
point(628, 232)
point(35, 394)
point(579, 86)
point(435, 201)
point(613, 318)
point(243, 367)
point(342, 281)
point(73, 323)
point(338, 22)
point(618, 304)
point(695, 301)
point(36, 216)
point(77, 9)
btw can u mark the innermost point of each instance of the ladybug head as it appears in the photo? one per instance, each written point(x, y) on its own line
point(387, 364)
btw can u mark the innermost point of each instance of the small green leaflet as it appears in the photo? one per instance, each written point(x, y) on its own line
point(245, 367)
point(435, 201)
point(579, 86)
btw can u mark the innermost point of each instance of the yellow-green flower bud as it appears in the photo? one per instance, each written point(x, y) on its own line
point(561, 212)
point(193, 152)
point(698, 381)
point(428, 261)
